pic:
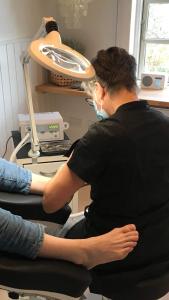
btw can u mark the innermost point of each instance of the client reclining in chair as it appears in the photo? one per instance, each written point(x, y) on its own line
point(29, 239)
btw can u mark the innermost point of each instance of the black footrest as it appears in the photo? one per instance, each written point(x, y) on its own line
point(30, 207)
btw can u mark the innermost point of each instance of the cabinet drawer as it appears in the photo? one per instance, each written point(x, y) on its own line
point(48, 169)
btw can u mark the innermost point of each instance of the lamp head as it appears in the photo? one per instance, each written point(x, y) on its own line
point(57, 57)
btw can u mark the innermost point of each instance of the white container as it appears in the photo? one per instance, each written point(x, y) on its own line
point(50, 125)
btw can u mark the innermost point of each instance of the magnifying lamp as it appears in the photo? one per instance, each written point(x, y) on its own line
point(47, 50)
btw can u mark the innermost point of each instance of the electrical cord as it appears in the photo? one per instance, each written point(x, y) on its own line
point(6, 146)
point(19, 146)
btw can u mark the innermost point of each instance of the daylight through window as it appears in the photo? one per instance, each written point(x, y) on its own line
point(154, 51)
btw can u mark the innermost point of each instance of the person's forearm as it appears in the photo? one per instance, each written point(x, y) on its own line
point(55, 198)
point(61, 189)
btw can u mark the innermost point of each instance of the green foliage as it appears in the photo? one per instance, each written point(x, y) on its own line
point(157, 58)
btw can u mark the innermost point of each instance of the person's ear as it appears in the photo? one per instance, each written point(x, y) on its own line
point(100, 91)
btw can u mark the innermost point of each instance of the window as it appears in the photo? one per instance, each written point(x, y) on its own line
point(154, 50)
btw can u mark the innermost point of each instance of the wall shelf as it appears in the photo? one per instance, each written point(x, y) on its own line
point(54, 89)
point(156, 98)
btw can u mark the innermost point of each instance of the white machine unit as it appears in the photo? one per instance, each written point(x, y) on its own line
point(50, 126)
point(157, 81)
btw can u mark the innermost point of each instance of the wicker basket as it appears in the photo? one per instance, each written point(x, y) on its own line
point(60, 80)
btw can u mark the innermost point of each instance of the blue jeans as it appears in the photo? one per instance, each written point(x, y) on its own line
point(17, 235)
point(14, 178)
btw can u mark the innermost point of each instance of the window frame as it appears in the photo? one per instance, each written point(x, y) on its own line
point(143, 40)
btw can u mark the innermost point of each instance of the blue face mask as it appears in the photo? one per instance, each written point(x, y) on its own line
point(101, 114)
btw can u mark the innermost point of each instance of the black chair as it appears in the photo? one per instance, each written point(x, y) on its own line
point(56, 278)
point(112, 288)
point(45, 277)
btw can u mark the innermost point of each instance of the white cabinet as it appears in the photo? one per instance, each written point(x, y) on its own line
point(48, 169)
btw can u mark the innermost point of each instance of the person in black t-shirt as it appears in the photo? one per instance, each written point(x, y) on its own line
point(125, 159)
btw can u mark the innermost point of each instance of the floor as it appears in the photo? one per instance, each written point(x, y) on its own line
point(4, 296)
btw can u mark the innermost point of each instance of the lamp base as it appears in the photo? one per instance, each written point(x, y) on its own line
point(33, 154)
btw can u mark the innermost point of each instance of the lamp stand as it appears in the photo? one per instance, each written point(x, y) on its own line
point(34, 151)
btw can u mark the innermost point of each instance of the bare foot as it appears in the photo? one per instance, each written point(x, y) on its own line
point(38, 183)
point(114, 245)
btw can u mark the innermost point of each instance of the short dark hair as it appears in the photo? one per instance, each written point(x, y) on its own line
point(116, 69)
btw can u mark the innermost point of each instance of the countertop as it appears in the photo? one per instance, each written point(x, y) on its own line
point(157, 98)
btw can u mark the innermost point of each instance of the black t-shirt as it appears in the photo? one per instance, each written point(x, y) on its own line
point(125, 159)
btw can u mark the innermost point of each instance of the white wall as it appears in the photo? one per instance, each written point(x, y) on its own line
point(107, 22)
point(21, 18)
point(123, 23)
point(98, 29)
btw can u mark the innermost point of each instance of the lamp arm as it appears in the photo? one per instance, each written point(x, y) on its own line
point(35, 147)
point(34, 152)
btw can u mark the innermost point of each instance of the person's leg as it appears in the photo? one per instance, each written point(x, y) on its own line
point(115, 245)
point(28, 239)
point(19, 236)
point(14, 178)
